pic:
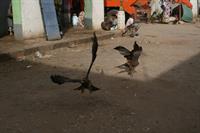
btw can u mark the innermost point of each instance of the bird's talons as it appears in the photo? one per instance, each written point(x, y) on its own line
point(86, 84)
point(93, 88)
point(131, 72)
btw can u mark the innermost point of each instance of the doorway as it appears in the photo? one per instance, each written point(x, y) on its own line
point(6, 17)
point(65, 10)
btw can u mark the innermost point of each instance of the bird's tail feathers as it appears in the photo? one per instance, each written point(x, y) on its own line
point(124, 51)
point(58, 79)
point(123, 71)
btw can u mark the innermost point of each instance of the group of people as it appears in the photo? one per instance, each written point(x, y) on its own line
point(131, 27)
point(162, 10)
point(159, 10)
point(78, 21)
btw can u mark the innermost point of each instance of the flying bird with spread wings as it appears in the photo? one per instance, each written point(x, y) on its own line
point(85, 82)
point(131, 57)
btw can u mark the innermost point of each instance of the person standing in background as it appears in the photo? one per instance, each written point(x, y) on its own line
point(166, 10)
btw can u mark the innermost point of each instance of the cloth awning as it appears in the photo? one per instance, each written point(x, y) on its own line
point(128, 5)
point(186, 2)
point(112, 3)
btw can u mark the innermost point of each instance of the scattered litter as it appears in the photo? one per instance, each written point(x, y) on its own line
point(72, 45)
point(29, 66)
point(112, 38)
point(38, 54)
point(20, 58)
point(61, 33)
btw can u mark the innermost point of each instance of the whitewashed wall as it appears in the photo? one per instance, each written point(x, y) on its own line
point(94, 13)
point(32, 24)
point(97, 13)
point(194, 7)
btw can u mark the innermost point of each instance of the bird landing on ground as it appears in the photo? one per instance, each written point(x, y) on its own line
point(131, 57)
point(85, 82)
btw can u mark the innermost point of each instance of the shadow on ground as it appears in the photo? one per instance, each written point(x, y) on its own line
point(30, 102)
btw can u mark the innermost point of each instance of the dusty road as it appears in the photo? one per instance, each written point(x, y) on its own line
point(162, 97)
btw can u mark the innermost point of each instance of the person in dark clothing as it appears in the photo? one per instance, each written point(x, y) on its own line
point(76, 7)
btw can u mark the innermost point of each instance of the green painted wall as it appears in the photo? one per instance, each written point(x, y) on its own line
point(88, 13)
point(17, 17)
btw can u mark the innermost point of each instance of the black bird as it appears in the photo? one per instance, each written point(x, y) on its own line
point(131, 56)
point(85, 82)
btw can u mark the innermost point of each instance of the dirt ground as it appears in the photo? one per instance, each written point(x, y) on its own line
point(162, 97)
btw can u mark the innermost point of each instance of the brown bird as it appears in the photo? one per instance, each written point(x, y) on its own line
point(132, 29)
point(85, 82)
point(131, 56)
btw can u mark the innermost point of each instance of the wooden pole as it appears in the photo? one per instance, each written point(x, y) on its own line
point(179, 10)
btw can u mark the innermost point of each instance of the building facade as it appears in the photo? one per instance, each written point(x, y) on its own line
point(28, 18)
point(195, 7)
point(28, 21)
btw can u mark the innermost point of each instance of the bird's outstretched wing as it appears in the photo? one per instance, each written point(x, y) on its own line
point(94, 52)
point(58, 79)
point(85, 82)
point(124, 51)
point(136, 47)
point(136, 52)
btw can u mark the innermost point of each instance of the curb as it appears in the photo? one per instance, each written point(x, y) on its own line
point(51, 45)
